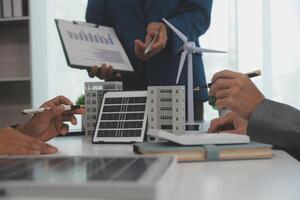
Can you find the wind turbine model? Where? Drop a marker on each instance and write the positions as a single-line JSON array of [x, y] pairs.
[[189, 48]]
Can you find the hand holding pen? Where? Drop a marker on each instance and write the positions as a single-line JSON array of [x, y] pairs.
[[249, 74], [155, 41], [236, 92], [51, 118], [33, 111]]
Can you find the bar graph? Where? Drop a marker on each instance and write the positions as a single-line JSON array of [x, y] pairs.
[[87, 45], [106, 39]]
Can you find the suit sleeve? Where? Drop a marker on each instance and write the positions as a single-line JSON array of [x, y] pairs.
[[192, 19], [278, 124], [96, 12]]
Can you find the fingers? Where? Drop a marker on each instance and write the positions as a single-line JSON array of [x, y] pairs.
[[139, 49], [216, 124], [61, 100], [70, 118], [150, 35], [19, 144], [78, 111], [160, 43], [221, 84], [64, 129], [30, 149], [104, 72], [226, 74], [57, 101], [92, 72], [225, 103]]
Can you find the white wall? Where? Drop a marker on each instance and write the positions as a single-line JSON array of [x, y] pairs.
[[51, 75]]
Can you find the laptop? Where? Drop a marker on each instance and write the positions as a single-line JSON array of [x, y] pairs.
[[87, 177]]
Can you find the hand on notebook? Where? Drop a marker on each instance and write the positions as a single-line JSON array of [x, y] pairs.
[[13, 142], [158, 33], [236, 92], [104, 73], [228, 123], [49, 124]]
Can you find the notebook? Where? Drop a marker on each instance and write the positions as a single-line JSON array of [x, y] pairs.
[[252, 150], [86, 177]]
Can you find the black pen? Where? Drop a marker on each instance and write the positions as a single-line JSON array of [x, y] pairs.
[[249, 74]]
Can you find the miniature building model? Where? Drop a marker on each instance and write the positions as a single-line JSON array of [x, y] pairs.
[[166, 109], [94, 92]]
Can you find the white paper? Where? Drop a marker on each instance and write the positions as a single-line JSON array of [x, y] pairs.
[[87, 45]]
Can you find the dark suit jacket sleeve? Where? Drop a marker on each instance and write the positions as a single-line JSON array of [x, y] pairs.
[[96, 12], [193, 19], [278, 124]]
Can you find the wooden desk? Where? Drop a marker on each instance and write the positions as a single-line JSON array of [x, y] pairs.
[[277, 178]]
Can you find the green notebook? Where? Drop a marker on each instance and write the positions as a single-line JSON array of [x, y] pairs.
[[252, 150]]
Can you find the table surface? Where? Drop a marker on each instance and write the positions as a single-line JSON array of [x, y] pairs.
[[276, 178]]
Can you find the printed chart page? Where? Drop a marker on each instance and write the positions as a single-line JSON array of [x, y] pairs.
[[87, 45]]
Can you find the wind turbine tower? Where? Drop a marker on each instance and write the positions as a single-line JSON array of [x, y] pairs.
[[189, 48]]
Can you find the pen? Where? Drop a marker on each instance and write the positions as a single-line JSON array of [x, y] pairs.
[[249, 74], [40, 110], [151, 43]]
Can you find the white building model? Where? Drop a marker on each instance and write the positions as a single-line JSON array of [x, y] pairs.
[[166, 109], [94, 92]]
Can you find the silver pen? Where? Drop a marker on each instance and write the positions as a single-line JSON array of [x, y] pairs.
[[152, 42]]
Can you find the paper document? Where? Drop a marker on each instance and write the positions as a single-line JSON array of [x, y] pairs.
[[86, 45]]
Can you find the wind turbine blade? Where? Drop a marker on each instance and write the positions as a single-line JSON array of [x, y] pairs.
[[182, 59], [176, 31], [201, 50]]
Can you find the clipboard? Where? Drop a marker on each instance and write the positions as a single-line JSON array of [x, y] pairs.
[[86, 45]]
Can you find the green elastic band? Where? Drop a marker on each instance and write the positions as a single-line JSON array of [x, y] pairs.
[[212, 152]]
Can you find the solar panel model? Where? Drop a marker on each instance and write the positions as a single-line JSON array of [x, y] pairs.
[[122, 118], [87, 177]]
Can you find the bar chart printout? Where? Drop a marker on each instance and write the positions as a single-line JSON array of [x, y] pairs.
[[91, 37], [87, 45]]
